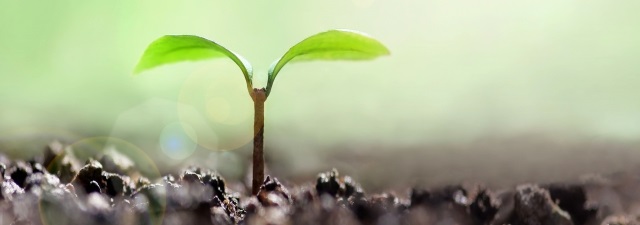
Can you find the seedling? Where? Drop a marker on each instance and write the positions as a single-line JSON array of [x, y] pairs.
[[329, 45]]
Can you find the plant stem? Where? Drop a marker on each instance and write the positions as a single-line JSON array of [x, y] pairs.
[[259, 97]]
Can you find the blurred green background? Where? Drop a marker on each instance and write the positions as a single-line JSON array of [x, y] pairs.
[[542, 74]]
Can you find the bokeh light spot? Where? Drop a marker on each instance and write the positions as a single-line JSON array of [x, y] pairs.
[[178, 140], [218, 109]]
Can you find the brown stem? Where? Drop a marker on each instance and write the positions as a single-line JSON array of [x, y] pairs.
[[259, 97]]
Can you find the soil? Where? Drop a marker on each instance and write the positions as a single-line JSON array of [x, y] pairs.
[[54, 188]]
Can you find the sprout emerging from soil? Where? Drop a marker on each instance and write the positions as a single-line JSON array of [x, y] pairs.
[[329, 45]]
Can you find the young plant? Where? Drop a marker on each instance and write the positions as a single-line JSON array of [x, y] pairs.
[[329, 45]]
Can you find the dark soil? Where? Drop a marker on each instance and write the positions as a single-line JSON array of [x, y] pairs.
[[55, 189]]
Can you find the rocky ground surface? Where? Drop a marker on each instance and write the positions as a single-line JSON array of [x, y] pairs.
[[55, 188]]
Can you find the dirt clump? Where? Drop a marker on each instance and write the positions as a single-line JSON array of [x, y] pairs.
[[533, 206]]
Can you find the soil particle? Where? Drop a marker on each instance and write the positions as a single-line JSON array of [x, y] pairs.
[[203, 191], [216, 182], [36, 167], [533, 206], [191, 177], [90, 177], [387, 202], [142, 181], [41, 181], [350, 188], [169, 178], [203, 177], [327, 183], [93, 187], [450, 194], [117, 185], [368, 211], [331, 184], [273, 193], [447, 205], [19, 172], [484, 207], [573, 200], [10, 189]]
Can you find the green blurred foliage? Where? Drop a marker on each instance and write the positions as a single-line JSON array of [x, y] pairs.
[[460, 70]]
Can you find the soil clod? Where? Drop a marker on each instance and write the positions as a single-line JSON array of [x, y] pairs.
[[484, 207], [331, 184], [117, 185], [19, 172], [90, 177], [573, 200], [273, 193], [533, 206], [327, 183]]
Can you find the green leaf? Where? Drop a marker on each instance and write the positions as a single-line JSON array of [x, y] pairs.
[[179, 48], [329, 45]]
